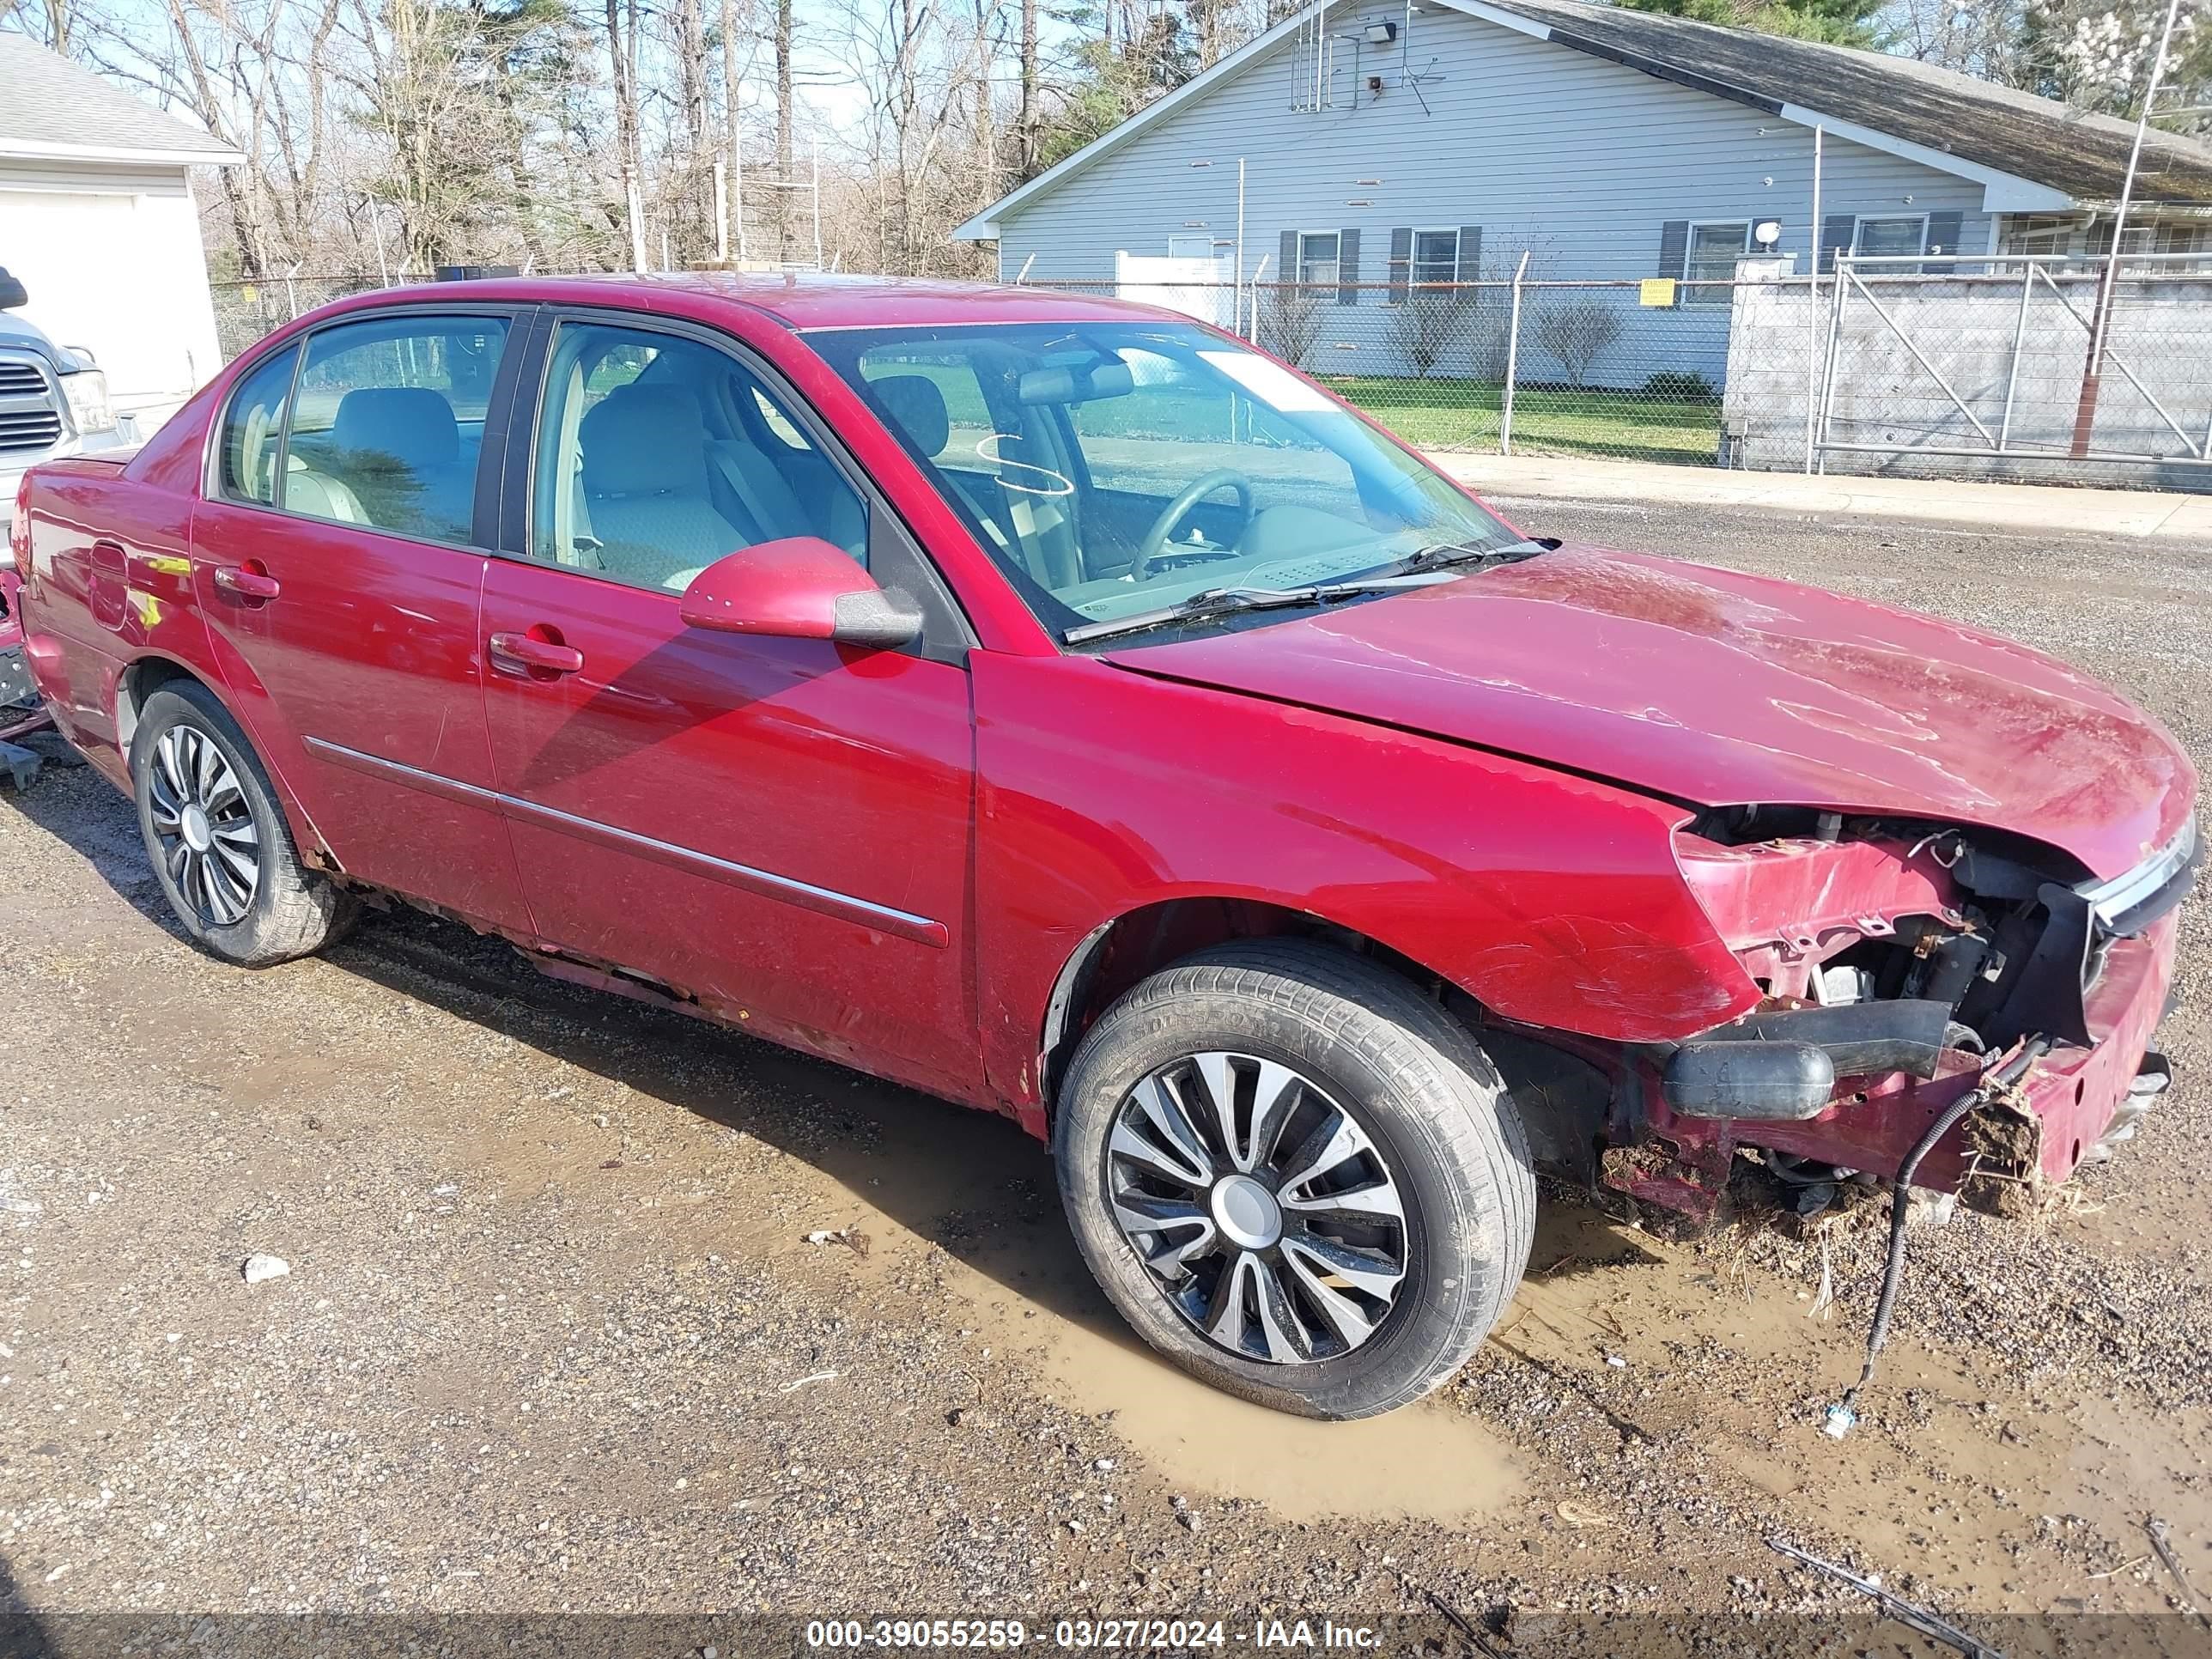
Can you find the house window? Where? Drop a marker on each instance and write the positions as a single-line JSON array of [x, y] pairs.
[[2136, 238], [1435, 256], [1890, 235], [1713, 252], [2183, 239], [1318, 256], [2035, 235], [1197, 246], [2152, 239]]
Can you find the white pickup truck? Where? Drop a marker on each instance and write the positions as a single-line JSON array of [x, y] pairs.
[[53, 402]]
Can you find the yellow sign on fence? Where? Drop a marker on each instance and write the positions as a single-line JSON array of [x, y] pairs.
[[1656, 291]]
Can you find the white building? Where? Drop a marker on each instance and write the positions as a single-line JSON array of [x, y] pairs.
[[97, 220]]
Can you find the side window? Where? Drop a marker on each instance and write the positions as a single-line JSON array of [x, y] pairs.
[[388, 424], [657, 454], [253, 430]]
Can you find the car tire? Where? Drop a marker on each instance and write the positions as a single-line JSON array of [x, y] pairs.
[[221, 849], [1431, 1132]]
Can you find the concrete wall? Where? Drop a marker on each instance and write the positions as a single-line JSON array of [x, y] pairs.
[[1578, 161], [1970, 332]]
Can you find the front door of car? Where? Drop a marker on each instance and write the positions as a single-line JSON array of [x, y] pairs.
[[338, 558], [777, 827]]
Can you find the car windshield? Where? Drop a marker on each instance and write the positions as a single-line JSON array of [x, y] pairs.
[[1116, 469]]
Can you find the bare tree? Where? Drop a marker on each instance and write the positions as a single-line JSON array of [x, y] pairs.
[[1430, 324], [384, 136], [1289, 320], [732, 123], [622, 59], [1025, 127], [1579, 332], [783, 129], [694, 181]]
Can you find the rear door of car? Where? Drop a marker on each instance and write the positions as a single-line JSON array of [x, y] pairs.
[[339, 559], [778, 827]]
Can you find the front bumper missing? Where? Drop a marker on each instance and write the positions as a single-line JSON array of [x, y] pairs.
[[2033, 1136]]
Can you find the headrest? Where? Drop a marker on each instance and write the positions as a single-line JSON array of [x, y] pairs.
[[644, 441], [917, 408], [410, 425]]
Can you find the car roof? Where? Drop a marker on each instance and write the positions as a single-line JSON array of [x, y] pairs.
[[797, 300]]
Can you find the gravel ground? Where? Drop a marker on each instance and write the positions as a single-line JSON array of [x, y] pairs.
[[553, 1341]]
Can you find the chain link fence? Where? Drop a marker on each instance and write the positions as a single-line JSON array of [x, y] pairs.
[[2043, 370], [1541, 368], [2031, 369], [246, 311]]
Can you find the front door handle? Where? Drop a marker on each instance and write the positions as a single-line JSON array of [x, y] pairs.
[[527, 653], [248, 581]]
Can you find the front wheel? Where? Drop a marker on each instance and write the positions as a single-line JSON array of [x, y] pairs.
[[1296, 1176]]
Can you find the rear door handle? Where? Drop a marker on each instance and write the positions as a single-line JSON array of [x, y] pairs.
[[526, 653], [246, 581]]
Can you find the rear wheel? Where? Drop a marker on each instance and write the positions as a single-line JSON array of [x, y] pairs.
[[1296, 1176], [221, 850]]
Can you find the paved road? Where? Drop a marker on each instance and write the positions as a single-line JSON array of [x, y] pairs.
[[554, 1341]]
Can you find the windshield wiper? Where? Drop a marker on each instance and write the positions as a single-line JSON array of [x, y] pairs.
[[1444, 554], [1224, 601]]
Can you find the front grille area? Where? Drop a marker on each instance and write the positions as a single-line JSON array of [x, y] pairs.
[[30, 410], [29, 428]]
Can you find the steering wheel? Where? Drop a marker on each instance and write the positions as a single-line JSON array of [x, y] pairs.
[[1155, 545]]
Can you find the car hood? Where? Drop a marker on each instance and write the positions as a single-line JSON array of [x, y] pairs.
[[19, 335], [1721, 688]]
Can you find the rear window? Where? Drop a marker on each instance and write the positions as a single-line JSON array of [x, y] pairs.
[[253, 430]]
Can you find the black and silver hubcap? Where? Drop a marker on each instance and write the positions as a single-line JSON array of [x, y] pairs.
[[209, 845], [1261, 1208]]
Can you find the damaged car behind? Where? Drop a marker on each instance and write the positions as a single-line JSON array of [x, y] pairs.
[[1061, 707]]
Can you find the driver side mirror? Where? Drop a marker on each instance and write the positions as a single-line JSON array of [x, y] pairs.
[[798, 588], [11, 293]]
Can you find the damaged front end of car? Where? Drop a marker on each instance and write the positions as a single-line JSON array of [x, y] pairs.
[[1904, 967]]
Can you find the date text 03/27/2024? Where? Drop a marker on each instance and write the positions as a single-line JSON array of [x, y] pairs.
[[1140, 1635]]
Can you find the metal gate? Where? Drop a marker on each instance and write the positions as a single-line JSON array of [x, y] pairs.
[[2037, 366]]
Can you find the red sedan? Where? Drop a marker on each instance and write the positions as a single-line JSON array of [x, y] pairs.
[[1060, 706]]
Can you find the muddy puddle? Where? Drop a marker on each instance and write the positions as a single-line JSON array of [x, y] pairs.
[[1426, 1462], [928, 1174]]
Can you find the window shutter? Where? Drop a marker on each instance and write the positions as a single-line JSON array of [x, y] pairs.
[[1347, 267], [1835, 233], [1286, 259], [1675, 251], [1402, 262], [1943, 229], [1470, 253]]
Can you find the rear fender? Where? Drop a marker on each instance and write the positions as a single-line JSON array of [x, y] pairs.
[[126, 690]]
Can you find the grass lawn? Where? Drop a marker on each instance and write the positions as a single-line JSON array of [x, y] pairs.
[[1453, 414], [1442, 413]]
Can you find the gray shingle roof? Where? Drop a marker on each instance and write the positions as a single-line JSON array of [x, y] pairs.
[[2014, 133], [50, 107]]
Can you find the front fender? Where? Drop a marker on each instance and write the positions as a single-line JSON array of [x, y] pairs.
[[1553, 900]]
